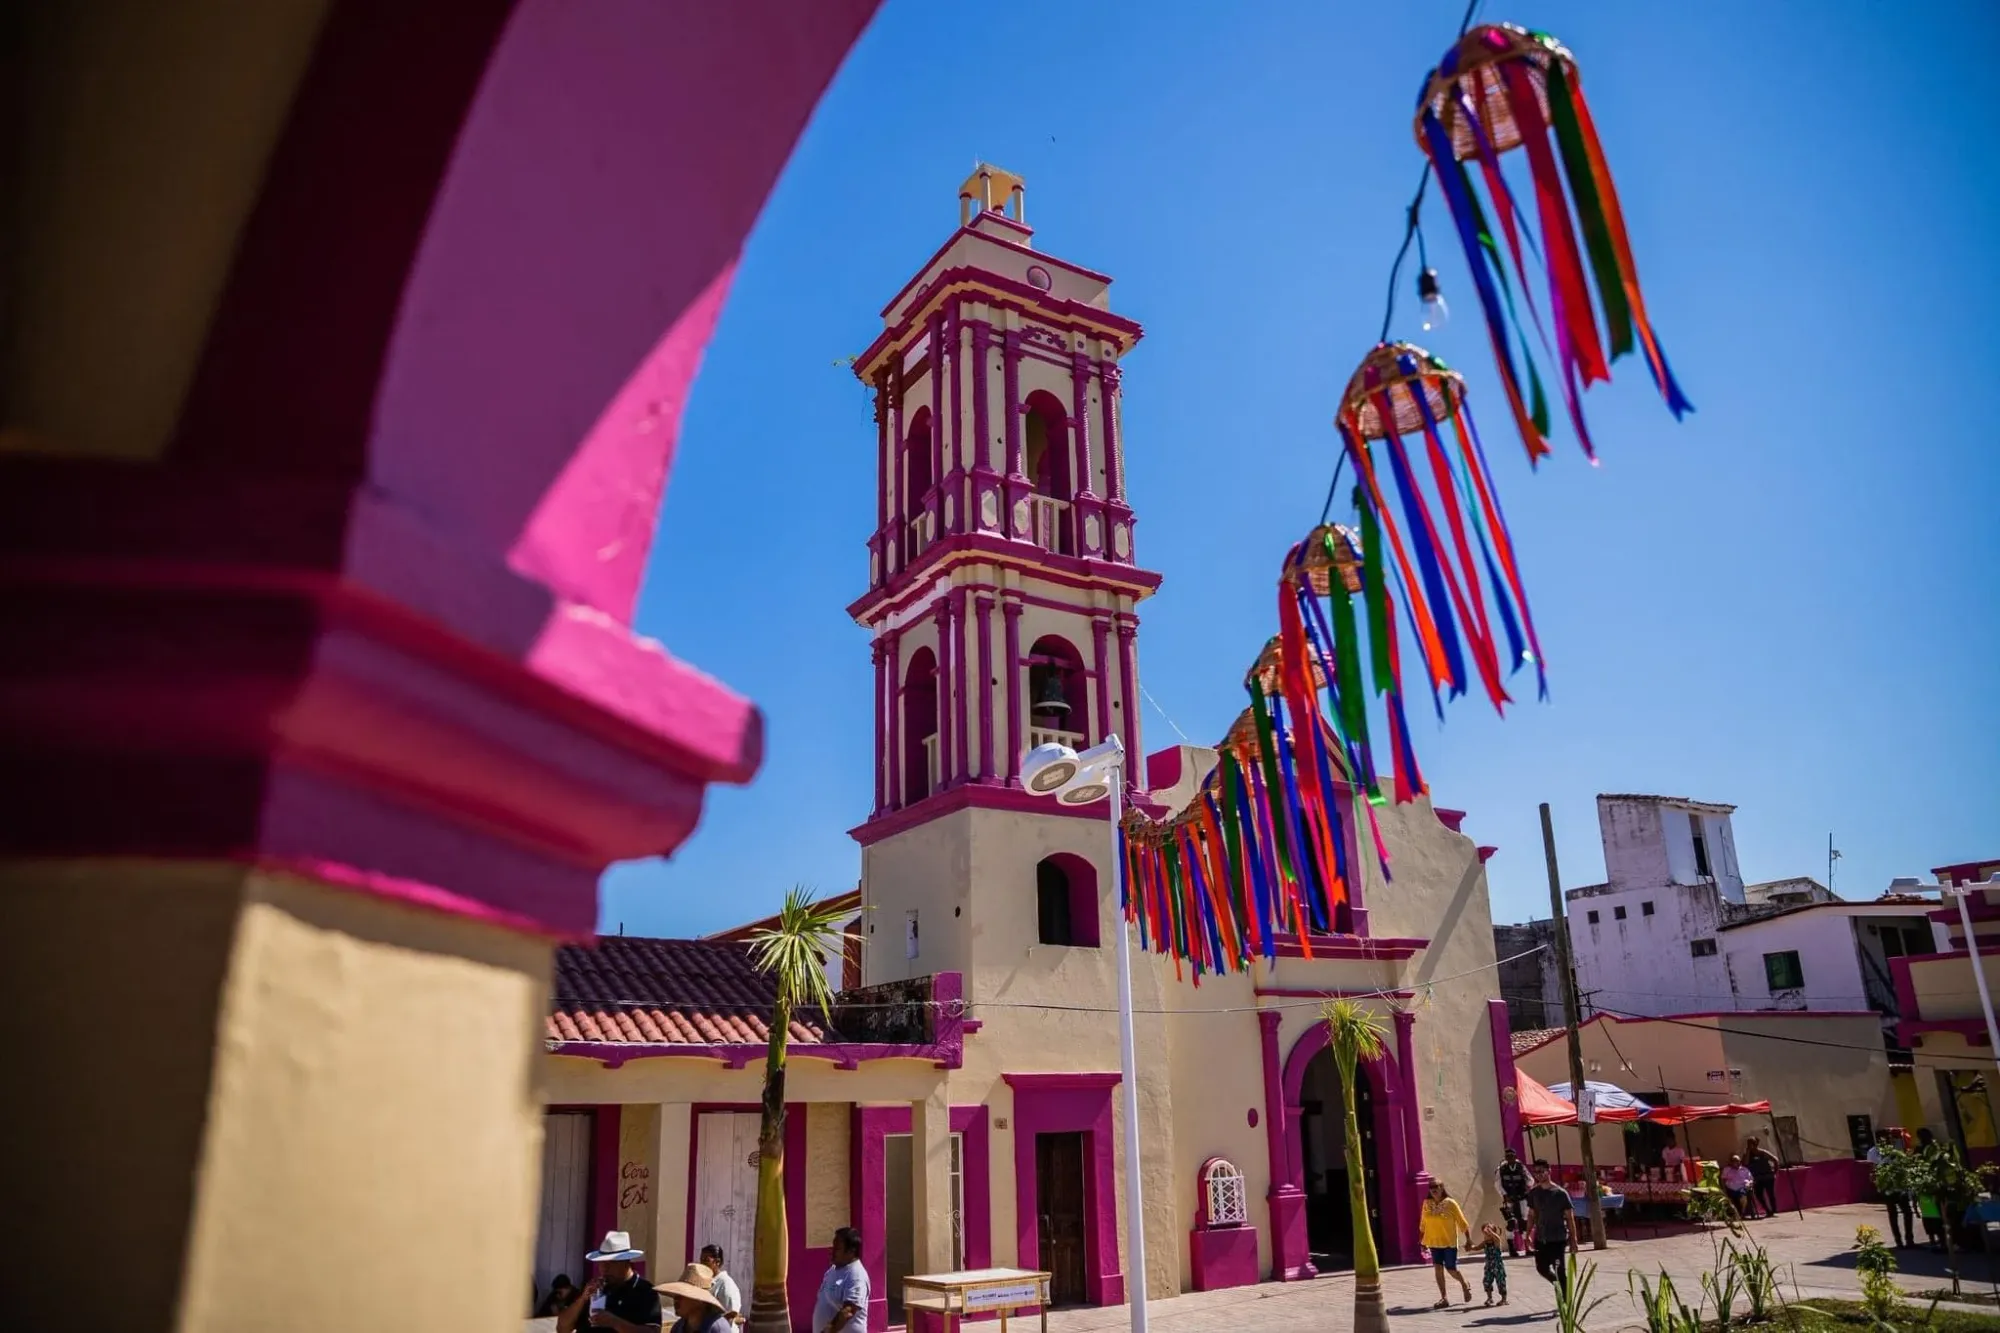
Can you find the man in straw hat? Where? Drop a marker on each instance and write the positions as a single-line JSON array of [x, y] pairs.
[[617, 1298], [695, 1303]]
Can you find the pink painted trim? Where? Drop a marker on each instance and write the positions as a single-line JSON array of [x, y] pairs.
[[1910, 1032], [1906, 990], [1100, 641], [1061, 1104], [1395, 1178], [1040, 258], [1502, 1032], [1308, 993], [982, 416], [969, 796], [1114, 465], [1350, 947], [1290, 1257], [1013, 611], [956, 325], [868, 1191], [1080, 572], [1413, 1112], [604, 1121], [1451, 819], [946, 707], [1486, 854], [984, 603], [1128, 690], [411, 893]]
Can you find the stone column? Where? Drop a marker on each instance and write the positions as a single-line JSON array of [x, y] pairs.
[[953, 476], [895, 541], [1087, 508], [1010, 407], [894, 723], [946, 651], [984, 603], [1011, 609], [930, 1180], [986, 496], [1290, 1253], [880, 655], [1100, 637], [1128, 685], [1413, 1111], [960, 756], [940, 403]]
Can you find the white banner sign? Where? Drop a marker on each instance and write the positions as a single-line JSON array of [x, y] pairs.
[[1005, 1297]]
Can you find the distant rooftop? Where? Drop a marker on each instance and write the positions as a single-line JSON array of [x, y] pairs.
[[1707, 807]]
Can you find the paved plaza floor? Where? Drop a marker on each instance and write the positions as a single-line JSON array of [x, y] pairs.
[[1815, 1254]]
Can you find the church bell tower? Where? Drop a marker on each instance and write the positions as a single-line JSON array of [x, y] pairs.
[[1002, 593]]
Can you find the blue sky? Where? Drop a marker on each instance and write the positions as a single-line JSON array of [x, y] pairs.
[[1787, 602]]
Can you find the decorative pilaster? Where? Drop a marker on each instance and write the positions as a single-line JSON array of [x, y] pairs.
[[878, 560], [894, 724], [1100, 635], [1086, 506], [945, 666], [1128, 683], [953, 476], [1119, 544], [896, 539], [1011, 609], [1010, 407], [961, 685], [1291, 1257], [933, 501], [1502, 1031], [880, 655], [984, 604], [985, 483], [1413, 1111]]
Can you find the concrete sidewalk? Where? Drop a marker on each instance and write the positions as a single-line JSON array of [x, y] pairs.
[[1815, 1256]]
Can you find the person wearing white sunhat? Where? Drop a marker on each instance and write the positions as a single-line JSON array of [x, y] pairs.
[[617, 1298], [695, 1303]]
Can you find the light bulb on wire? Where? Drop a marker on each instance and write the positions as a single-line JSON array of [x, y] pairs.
[[1436, 314]]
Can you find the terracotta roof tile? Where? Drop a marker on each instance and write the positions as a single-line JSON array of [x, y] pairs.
[[1533, 1037], [647, 991]]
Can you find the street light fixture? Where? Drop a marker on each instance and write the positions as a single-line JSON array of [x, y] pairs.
[[1098, 774], [1963, 892]]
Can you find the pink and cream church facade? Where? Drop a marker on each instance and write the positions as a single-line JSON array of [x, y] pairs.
[[959, 1105]]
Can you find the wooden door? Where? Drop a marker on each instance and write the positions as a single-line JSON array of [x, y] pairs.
[[725, 1189], [564, 1222], [1060, 1214]]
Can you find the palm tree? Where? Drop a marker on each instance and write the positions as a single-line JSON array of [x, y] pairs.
[[1356, 1035], [793, 953]]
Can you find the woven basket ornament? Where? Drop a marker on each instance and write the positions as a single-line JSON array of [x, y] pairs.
[[1502, 88]]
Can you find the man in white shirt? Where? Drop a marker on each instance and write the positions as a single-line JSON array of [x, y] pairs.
[[843, 1293], [724, 1287]]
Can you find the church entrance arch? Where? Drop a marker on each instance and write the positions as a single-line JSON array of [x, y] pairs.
[[1316, 1162]]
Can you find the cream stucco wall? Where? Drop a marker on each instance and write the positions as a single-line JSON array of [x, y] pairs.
[[1821, 1069], [828, 1148]]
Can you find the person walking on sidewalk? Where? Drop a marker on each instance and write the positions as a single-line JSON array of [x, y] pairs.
[[1494, 1276], [1902, 1209], [1763, 1164], [1442, 1223], [1552, 1218], [1514, 1183]]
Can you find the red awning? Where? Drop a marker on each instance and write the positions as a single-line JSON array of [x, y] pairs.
[[1539, 1106], [1679, 1115]]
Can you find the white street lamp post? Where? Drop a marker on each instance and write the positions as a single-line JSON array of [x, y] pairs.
[[1098, 774], [1963, 892]]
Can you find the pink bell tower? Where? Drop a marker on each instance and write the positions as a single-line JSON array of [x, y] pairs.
[[1003, 585]]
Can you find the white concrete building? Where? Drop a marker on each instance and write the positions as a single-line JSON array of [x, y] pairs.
[[1675, 930]]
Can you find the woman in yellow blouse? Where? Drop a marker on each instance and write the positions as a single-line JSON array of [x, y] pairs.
[[1443, 1222]]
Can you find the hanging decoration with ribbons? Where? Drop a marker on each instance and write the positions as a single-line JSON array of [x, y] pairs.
[[1499, 88], [1259, 854]]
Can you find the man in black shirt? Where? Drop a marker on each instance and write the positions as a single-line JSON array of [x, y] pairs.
[[1514, 1184], [1553, 1226], [617, 1298]]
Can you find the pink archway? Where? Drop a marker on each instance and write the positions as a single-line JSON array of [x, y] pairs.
[[1398, 1147]]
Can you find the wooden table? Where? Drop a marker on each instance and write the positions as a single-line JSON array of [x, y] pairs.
[[1002, 1291]]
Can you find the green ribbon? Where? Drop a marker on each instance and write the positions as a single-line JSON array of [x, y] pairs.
[[1232, 834], [1590, 211], [1349, 690], [1375, 596], [1274, 785]]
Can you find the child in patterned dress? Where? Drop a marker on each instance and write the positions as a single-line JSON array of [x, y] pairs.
[[1495, 1274]]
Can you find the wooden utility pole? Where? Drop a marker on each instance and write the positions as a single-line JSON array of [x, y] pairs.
[[1567, 965]]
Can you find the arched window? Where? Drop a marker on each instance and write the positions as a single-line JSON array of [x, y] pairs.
[[1066, 901], [1046, 462], [920, 727], [1221, 1196], [1058, 693], [917, 481]]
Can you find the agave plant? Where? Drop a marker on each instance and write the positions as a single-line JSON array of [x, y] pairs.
[[793, 954], [1662, 1305], [1574, 1304]]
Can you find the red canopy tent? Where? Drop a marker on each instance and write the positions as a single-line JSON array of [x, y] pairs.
[[1539, 1106], [1680, 1115]]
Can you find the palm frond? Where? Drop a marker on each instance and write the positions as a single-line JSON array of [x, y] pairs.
[[795, 951], [1357, 1032]]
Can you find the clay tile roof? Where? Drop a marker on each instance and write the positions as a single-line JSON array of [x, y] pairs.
[[644, 991], [1533, 1037]]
